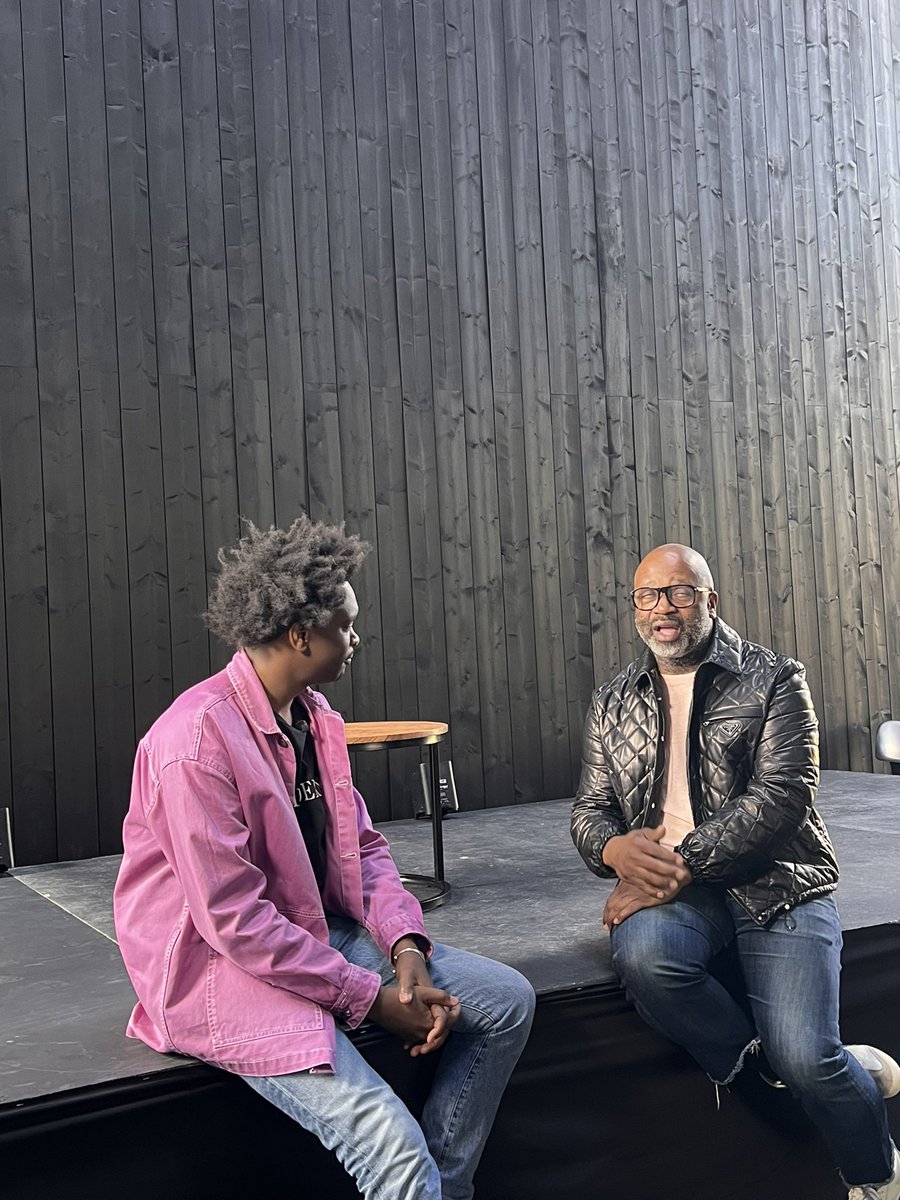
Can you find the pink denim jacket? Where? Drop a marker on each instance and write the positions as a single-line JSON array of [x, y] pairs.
[[218, 914]]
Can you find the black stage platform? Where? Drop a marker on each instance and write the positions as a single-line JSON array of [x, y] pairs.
[[598, 1107]]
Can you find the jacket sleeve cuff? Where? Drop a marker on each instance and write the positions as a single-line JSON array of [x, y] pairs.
[[695, 868], [593, 854], [357, 996]]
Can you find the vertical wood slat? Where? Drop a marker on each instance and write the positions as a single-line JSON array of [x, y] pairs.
[[673, 497], [604, 503], [382, 338], [642, 345], [208, 283], [750, 610], [697, 463], [541, 640], [828, 598], [657, 140], [569, 342], [60, 432], [793, 233], [552, 182], [579, 420], [576, 601], [6, 777], [765, 600], [831, 398], [885, 410], [729, 575], [676, 499], [610, 212], [32, 797], [502, 266], [871, 483], [175, 341], [623, 500], [415, 368], [101, 424], [477, 395], [516, 289], [449, 415], [351, 353], [720, 549], [20, 548], [243, 262], [136, 352], [781, 358], [274, 169], [17, 337], [843, 510], [852, 383], [323, 443], [578, 149]]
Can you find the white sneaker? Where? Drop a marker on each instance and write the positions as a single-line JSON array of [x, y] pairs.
[[883, 1069], [887, 1191]]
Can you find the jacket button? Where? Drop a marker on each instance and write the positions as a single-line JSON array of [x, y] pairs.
[[342, 783]]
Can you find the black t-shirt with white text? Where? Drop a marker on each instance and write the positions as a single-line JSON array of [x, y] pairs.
[[308, 803]]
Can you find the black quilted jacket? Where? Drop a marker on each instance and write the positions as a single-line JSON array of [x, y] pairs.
[[753, 769]]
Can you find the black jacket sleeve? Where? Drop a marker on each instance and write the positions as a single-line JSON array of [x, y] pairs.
[[596, 814], [744, 837]]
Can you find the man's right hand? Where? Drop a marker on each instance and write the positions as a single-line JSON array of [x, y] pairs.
[[637, 857], [422, 1024]]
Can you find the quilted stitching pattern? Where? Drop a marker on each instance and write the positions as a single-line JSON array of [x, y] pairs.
[[753, 768]]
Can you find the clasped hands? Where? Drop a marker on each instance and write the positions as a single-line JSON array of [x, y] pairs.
[[415, 1011], [649, 873]]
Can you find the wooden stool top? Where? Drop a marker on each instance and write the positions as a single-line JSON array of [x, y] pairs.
[[374, 734]]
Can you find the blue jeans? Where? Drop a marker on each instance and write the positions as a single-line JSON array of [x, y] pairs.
[[357, 1115], [791, 970]]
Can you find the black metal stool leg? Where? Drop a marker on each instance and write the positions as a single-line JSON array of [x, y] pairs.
[[432, 890], [437, 828]]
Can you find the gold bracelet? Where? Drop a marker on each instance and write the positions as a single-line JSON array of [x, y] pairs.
[[407, 950]]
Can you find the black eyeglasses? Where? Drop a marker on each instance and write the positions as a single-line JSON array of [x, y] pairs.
[[681, 595]]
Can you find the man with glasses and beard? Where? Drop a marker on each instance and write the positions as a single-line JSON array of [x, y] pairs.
[[700, 768]]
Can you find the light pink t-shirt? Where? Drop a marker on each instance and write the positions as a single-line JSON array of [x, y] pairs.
[[677, 814]]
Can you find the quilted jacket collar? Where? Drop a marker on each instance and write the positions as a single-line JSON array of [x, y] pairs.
[[724, 651]]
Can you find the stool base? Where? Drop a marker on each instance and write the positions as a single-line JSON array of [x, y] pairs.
[[430, 892]]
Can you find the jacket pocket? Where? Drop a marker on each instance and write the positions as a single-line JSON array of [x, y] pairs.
[[734, 712], [242, 1008], [730, 735]]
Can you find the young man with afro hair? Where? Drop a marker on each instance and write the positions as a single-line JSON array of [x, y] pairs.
[[260, 914]]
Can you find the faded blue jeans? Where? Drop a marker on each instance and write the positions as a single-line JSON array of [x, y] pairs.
[[357, 1115], [791, 970]]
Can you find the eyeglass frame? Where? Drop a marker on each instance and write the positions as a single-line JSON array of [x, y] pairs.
[[664, 591]]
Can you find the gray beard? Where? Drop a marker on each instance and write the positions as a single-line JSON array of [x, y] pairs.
[[685, 654], [671, 662]]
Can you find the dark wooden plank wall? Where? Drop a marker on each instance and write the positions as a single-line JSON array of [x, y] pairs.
[[517, 289]]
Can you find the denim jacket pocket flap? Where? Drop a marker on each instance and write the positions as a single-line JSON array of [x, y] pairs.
[[240, 1007]]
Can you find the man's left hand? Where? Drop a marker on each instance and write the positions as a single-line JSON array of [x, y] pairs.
[[413, 978], [410, 968], [626, 899]]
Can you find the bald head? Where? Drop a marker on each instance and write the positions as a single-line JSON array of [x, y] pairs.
[[677, 634], [684, 561]]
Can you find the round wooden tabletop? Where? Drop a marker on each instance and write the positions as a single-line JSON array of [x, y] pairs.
[[372, 735]]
